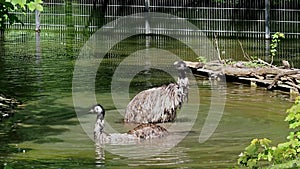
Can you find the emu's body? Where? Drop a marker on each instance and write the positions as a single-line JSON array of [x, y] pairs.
[[143, 131], [159, 104]]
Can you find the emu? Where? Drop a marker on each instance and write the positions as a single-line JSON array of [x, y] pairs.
[[141, 132], [159, 104]]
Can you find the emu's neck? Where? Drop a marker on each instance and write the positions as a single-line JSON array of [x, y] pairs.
[[98, 130], [100, 124], [183, 83], [182, 74], [100, 116]]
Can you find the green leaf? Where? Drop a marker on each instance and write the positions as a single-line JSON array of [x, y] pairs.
[[265, 142], [22, 3], [251, 149], [38, 1], [270, 156], [252, 163], [34, 6], [294, 125], [39, 7], [31, 6]]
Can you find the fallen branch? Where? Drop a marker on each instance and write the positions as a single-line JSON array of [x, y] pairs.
[[266, 63], [293, 85], [277, 77]]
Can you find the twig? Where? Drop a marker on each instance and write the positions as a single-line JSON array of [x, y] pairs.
[[266, 63], [218, 50], [244, 53], [272, 59]]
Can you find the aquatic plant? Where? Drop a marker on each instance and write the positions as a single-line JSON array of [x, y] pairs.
[[260, 152]]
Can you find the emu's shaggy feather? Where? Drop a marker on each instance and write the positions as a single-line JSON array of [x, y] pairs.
[[141, 132], [158, 104]]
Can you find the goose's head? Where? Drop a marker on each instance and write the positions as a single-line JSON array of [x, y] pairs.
[[99, 110]]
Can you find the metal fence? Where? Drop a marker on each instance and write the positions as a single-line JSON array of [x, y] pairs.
[[232, 21], [228, 18]]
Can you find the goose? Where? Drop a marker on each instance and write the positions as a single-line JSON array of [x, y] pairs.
[[141, 132], [159, 104]]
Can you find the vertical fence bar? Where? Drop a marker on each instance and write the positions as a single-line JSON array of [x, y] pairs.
[[147, 25], [37, 20], [68, 13], [267, 19]]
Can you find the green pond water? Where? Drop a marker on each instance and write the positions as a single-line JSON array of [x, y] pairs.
[[46, 132]]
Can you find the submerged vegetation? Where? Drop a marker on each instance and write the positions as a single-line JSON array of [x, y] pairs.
[[260, 152]]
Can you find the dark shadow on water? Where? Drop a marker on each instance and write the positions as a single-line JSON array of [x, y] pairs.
[[35, 123]]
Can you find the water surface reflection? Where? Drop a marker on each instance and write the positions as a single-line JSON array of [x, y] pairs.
[[46, 133]]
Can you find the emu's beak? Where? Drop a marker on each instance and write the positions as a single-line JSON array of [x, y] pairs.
[[92, 111]]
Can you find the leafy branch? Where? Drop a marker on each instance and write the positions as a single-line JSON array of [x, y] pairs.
[[7, 7], [260, 152], [276, 38]]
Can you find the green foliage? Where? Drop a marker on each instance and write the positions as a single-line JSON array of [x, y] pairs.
[[253, 64], [259, 151], [276, 38], [7, 166], [7, 7], [202, 59]]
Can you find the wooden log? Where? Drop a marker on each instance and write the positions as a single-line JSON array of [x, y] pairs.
[[258, 76], [279, 75], [293, 85], [243, 71], [282, 77], [195, 65], [296, 76]]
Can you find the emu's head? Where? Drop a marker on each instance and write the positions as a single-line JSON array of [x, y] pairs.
[[181, 67], [183, 80], [99, 110]]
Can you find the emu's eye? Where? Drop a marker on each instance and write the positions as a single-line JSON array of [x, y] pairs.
[[98, 109]]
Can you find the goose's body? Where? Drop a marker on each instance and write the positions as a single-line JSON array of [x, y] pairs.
[[159, 104], [141, 132]]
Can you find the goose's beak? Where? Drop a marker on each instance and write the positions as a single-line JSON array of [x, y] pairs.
[[92, 111]]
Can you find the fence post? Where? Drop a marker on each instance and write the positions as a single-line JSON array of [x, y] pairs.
[[148, 44], [70, 27], [147, 25], [37, 21], [267, 19], [68, 13]]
